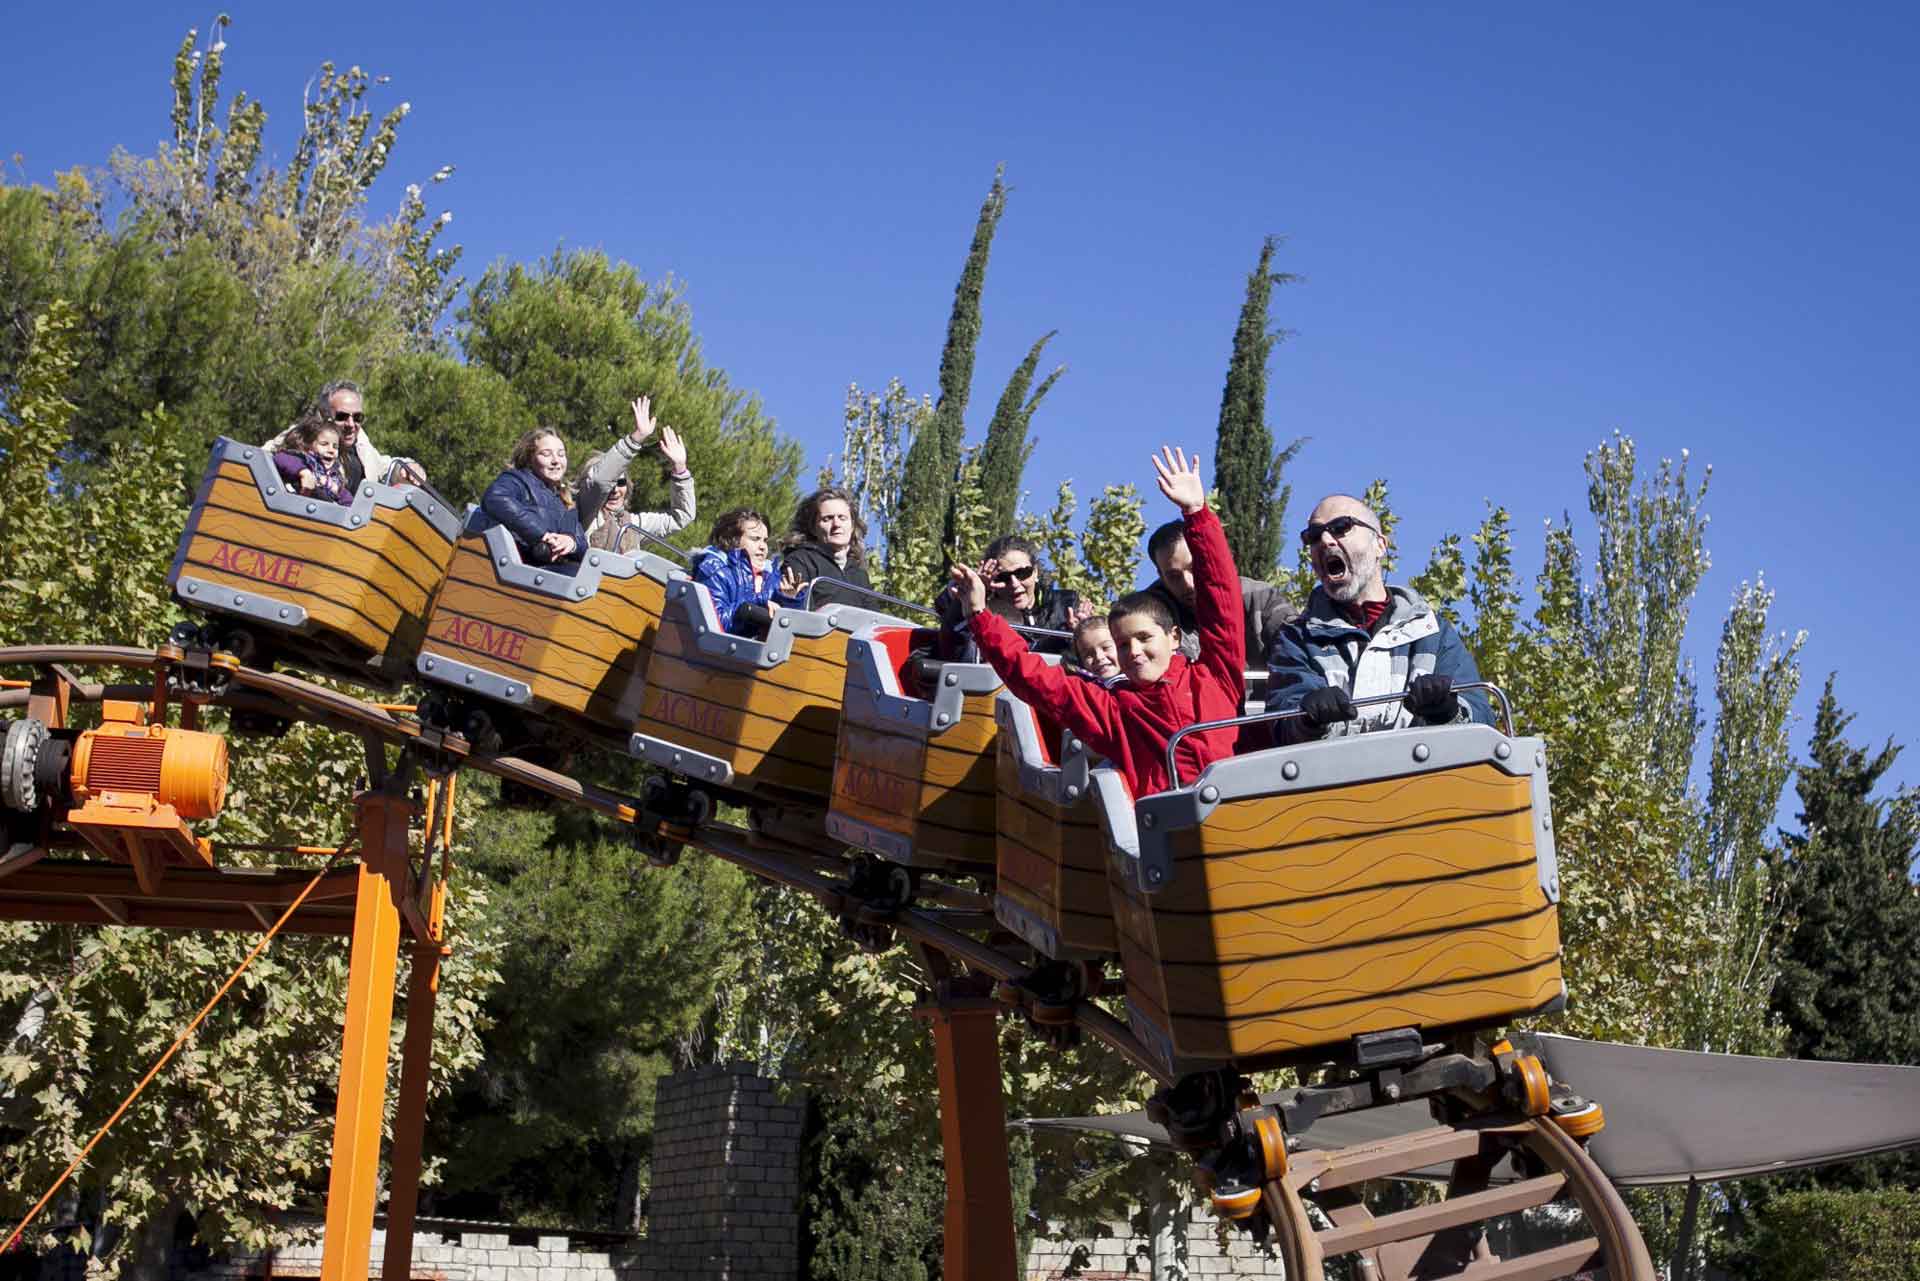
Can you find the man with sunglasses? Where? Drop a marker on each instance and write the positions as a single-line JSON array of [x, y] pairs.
[[1265, 607], [1360, 637], [340, 403]]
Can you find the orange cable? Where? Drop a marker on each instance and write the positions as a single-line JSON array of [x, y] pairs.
[[173, 1049]]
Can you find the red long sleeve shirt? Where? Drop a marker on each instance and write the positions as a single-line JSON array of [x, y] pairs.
[[1130, 725]]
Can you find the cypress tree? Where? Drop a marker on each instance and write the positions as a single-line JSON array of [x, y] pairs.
[[1004, 455], [1247, 470], [933, 460]]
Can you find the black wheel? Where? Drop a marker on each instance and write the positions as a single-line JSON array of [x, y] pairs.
[[19, 756]]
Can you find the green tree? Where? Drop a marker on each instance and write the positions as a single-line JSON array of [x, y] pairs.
[[1248, 472], [1003, 458], [933, 459]]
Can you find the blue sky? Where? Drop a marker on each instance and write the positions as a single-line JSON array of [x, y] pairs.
[[1520, 228]]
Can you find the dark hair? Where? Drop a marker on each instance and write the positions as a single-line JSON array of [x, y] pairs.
[[323, 403], [808, 515], [522, 457], [1150, 604], [727, 530], [1012, 543], [1174, 531], [308, 429]]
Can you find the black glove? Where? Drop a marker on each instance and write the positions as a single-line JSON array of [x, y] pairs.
[[1325, 706], [1431, 699]]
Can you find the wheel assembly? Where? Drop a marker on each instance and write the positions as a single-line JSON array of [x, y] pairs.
[[19, 760]]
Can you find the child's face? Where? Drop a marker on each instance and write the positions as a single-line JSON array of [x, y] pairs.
[[1143, 646], [550, 459], [753, 538], [1096, 652], [326, 445]]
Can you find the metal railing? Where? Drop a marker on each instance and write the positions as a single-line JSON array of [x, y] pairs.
[[1201, 727]]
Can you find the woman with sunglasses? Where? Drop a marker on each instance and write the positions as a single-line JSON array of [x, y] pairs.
[[1015, 593], [615, 528]]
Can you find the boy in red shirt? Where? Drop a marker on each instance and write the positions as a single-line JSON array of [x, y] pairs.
[[1163, 693]]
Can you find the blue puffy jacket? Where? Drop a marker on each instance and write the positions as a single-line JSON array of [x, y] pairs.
[[530, 510], [728, 578]]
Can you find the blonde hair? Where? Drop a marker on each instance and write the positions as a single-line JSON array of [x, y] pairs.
[[522, 457]]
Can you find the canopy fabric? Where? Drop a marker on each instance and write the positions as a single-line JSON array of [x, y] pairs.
[[1672, 1115]]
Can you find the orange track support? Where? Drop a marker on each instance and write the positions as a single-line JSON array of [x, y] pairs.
[[354, 1183], [973, 1130]]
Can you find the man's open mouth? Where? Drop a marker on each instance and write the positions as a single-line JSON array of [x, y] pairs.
[[1333, 565]]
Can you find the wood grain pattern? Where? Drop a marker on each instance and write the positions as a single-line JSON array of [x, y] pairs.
[[1051, 860]]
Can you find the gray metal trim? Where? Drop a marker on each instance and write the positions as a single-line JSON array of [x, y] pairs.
[[891, 846], [1064, 784], [873, 689], [451, 671], [581, 585], [1115, 806], [201, 594], [1543, 848], [273, 492], [689, 606], [1332, 762], [680, 760]]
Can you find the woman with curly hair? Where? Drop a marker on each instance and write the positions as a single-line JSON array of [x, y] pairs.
[[827, 541]]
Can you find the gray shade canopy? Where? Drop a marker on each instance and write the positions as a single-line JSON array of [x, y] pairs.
[[1672, 1115]]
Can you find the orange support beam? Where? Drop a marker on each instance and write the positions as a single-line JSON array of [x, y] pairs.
[[973, 1130], [354, 1182], [410, 1122]]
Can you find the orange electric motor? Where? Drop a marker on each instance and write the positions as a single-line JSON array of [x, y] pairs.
[[183, 768]]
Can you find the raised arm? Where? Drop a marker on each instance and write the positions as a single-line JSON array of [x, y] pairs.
[[1216, 583], [681, 511]]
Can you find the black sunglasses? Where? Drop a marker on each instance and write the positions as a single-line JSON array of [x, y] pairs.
[[1007, 577], [342, 416], [623, 482], [1339, 527]]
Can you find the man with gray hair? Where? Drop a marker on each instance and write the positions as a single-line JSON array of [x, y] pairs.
[[340, 403], [1361, 637]]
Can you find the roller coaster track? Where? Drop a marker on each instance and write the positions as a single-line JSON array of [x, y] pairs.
[[1252, 1167]]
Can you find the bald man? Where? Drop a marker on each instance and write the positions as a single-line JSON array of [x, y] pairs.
[[1360, 637]]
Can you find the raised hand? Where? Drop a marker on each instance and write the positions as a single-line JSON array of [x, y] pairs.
[[643, 423], [971, 585], [674, 448], [1082, 610], [1180, 479], [791, 584]]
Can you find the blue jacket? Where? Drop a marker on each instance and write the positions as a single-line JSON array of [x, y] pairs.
[[530, 510], [1322, 647], [728, 578]]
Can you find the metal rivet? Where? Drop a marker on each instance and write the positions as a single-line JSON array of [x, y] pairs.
[[773, 656], [1502, 750], [1539, 758], [1154, 875], [539, 579], [469, 678], [1421, 752], [833, 620], [1146, 820], [1073, 790], [239, 600], [272, 490], [512, 690], [677, 758], [503, 560], [432, 510], [1075, 745], [1209, 794], [248, 455], [593, 560], [429, 664], [368, 491], [1290, 770], [353, 520], [193, 589], [942, 718], [579, 591], [785, 621], [311, 507], [1546, 823], [733, 647], [953, 678], [906, 711], [285, 612]]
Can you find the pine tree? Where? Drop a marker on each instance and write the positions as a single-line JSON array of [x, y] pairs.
[[1850, 948], [1004, 456], [933, 460], [1247, 470]]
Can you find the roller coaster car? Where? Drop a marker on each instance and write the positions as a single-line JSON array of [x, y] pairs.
[[913, 772], [340, 590], [1050, 868], [757, 715], [1293, 898], [567, 647]]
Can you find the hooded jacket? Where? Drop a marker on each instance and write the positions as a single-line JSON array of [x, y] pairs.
[[1129, 724], [1323, 647], [728, 578]]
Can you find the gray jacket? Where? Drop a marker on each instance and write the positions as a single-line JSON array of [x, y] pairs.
[[590, 495], [1267, 611]]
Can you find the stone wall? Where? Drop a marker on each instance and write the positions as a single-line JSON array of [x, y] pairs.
[[1127, 1254]]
